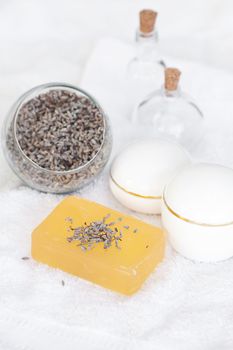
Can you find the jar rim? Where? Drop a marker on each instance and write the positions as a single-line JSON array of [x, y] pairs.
[[132, 193], [56, 86]]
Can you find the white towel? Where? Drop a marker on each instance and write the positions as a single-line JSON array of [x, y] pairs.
[[183, 305]]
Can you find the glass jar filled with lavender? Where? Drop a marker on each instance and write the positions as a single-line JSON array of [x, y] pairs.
[[57, 138]]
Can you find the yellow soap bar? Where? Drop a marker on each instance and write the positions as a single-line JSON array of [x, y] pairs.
[[122, 270]]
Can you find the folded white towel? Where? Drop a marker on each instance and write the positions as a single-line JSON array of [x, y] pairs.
[[183, 305]]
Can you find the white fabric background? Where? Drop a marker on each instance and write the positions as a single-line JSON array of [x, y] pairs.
[[182, 305]]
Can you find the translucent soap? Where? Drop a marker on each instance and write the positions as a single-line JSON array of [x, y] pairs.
[[122, 269]]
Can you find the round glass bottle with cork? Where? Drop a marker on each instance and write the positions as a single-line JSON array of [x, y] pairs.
[[57, 138], [170, 113], [147, 64]]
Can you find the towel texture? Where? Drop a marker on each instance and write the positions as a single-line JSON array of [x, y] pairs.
[[183, 305]]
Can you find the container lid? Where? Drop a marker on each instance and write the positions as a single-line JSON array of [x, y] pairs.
[[145, 167], [203, 194]]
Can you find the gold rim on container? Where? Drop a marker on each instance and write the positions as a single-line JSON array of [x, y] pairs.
[[132, 193], [192, 221]]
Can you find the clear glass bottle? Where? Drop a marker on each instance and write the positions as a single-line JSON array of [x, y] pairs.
[[169, 113], [146, 68]]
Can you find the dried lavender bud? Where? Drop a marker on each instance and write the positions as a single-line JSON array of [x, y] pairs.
[[68, 219], [117, 244], [106, 217], [111, 224], [63, 283], [25, 258]]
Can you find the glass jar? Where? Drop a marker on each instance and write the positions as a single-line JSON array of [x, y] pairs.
[[42, 178]]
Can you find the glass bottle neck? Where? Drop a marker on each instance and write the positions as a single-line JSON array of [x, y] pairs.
[[147, 38], [147, 46], [171, 93]]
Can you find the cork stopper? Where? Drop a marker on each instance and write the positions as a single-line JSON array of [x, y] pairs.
[[172, 77], [147, 20]]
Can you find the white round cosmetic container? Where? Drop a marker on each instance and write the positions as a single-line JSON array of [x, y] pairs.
[[197, 212], [140, 172]]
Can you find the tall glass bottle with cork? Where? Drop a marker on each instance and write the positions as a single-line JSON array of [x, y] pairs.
[[170, 113], [146, 69]]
